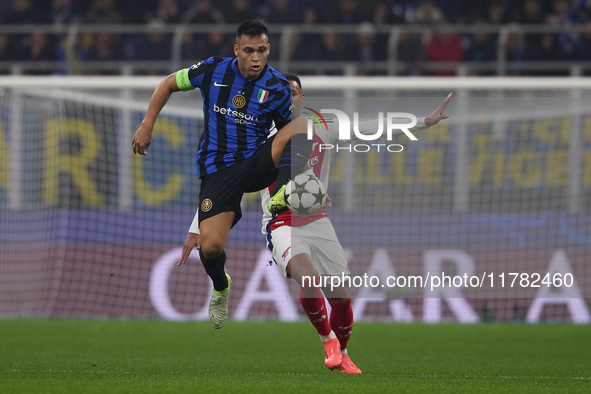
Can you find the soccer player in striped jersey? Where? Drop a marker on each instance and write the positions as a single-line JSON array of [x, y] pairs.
[[307, 246], [242, 98]]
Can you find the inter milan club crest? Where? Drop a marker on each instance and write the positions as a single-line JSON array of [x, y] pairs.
[[263, 95], [206, 205], [239, 101]]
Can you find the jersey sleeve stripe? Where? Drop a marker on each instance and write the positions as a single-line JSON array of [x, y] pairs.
[[284, 112]]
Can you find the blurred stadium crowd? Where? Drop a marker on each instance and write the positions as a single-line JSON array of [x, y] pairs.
[[436, 32]]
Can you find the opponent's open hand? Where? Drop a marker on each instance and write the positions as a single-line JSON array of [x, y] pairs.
[[438, 114], [191, 241]]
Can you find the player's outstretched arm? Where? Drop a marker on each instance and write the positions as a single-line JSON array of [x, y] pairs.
[[439, 114], [143, 136]]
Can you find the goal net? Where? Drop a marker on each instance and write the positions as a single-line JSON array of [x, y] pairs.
[[485, 217]]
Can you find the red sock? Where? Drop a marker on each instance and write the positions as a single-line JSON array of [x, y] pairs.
[[341, 321], [316, 310]]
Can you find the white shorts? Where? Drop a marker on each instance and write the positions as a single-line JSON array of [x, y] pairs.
[[317, 239]]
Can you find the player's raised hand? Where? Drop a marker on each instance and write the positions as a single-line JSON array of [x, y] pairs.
[[141, 140], [438, 114], [191, 241]]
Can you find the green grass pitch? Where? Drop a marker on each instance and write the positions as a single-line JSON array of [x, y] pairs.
[[88, 356]]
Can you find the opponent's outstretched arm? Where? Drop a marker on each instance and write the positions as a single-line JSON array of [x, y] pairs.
[[439, 113], [436, 116]]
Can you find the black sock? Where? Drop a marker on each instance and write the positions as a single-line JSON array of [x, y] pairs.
[[293, 159], [215, 270]]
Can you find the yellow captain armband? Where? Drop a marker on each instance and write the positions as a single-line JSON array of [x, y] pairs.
[[182, 80]]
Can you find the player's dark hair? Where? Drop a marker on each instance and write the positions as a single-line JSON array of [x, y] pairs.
[[293, 77], [252, 28]]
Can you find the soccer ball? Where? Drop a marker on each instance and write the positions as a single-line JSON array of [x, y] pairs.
[[305, 194]]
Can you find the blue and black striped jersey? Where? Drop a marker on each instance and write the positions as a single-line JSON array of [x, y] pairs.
[[238, 113]]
